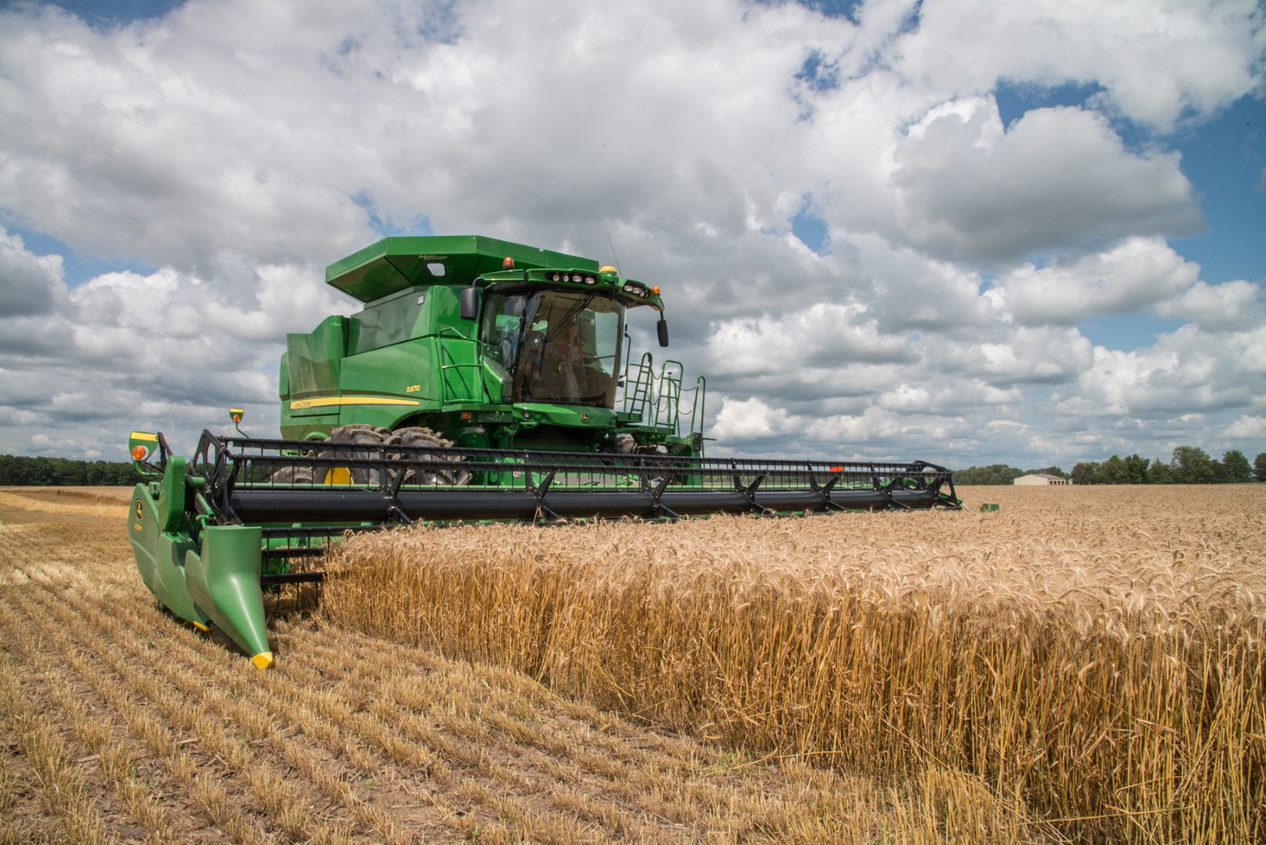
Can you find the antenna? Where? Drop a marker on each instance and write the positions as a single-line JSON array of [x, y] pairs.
[[611, 243]]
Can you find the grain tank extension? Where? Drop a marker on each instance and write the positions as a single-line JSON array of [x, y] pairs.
[[481, 380]]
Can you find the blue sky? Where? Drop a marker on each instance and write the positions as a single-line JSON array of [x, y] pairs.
[[886, 228]]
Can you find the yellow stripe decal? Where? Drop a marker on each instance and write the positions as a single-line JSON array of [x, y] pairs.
[[141, 435], [328, 401]]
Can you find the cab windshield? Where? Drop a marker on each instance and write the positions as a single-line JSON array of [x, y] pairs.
[[555, 347]]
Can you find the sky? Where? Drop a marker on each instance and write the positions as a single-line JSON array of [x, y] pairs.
[[967, 232]]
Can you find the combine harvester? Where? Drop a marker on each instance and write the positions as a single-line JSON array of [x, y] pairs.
[[482, 380]]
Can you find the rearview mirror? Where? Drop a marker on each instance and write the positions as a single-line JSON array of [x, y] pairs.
[[662, 328], [469, 298]]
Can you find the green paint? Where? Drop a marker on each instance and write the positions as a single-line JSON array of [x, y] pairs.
[[223, 580], [409, 358], [160, 555]]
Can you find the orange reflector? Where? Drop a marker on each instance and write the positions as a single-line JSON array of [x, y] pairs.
[[837, 469], [507, 263], [655, 290], [139, 453], [467, 416]]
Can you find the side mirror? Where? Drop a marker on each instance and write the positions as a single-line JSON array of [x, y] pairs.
[[469, 298], [662, 328]]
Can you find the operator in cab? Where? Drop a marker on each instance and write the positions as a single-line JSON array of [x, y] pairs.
[[566, 364], [556, 346]]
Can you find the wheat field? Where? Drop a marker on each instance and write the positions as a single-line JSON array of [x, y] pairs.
[[1085, 665], [119, 725], [1090, 659]]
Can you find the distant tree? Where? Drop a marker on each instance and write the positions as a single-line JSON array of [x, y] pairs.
[[992, 474], [1158, 472], [22, 471], [1259, 467], [1136, 469], [1087, 472], [1113, 471], [1235, 467], [1191, 465]]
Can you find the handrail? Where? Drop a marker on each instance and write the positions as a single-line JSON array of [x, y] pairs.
[[667, 404], [446, 392], [697, 412], [639, 390]]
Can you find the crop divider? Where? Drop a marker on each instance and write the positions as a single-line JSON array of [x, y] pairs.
[[539, 491], [749, 490], [824, 490], [658, 508], [392, 495]]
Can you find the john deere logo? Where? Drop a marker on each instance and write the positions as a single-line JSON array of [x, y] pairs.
[[140, 514]]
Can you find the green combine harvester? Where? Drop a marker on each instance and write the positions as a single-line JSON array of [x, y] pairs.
[[482, 380]]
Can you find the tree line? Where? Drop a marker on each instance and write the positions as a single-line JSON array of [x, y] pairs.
[[1188, 465], [22, 471]]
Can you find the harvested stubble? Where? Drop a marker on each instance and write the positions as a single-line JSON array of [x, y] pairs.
[[1094, 653]]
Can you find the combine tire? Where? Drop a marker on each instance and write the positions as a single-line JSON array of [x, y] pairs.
[[657, 471], [415, 436], [301, 476], [362, 435]]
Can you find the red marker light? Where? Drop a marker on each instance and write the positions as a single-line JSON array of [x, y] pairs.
[[507, 263], [655, 290], [837, 469]]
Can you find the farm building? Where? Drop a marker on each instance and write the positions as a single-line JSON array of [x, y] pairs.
[[1041, 479]]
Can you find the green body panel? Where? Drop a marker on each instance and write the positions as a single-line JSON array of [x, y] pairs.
[[566, 416], [409, 358], [172, 517], [311, 363], [394, 264], [160, 557], [223, 579], [213, 577]]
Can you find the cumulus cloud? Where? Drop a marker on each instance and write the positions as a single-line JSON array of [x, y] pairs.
[[1248, 428], [824, 335], [1022, 355], [162, 350], [1130, 276], [227, 150], [1156, 61], [750, 419], [1057, 177], [1187, 371], [1236, 304], [30, 285]]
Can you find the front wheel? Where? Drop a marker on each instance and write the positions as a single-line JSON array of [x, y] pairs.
[[370, 438], [428, 449]]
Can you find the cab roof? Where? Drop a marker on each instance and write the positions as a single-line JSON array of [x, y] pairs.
[[396, 264]]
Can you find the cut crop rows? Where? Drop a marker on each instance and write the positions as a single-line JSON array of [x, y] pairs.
[[121, 725]]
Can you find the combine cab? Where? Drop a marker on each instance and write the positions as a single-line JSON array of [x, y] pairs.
[[483, 380], [481, 343]]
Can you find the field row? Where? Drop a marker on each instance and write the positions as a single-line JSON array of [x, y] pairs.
[[122, 726]]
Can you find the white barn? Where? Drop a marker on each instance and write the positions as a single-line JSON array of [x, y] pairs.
[[1041, 479]]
